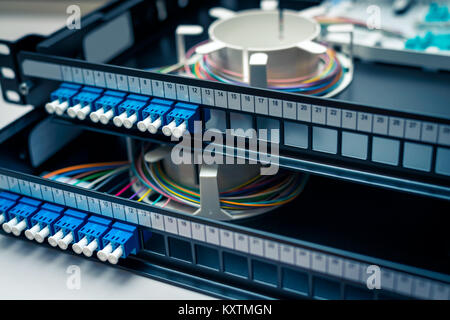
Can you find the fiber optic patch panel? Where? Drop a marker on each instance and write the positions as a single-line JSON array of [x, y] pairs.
[[397, 148], [127, 110], [65, 227], [261, 260], [378, 155]]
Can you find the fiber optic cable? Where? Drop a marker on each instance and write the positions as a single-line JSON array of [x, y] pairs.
[[284, 189], [145, 195], [126, 187], [256, 194], [110, 179], [118, 186], [84, 166], [328, 76], [82, 175], [103, 177]]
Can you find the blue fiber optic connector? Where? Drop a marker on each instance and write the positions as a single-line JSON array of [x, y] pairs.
[[66, 228], [154, 115], [87, 233], [181, 119], [119, 242], [82, 103], [91, 236], [107, 106], [43, 222], [130, 111], [20, 216], [7, 201], [60, 98]]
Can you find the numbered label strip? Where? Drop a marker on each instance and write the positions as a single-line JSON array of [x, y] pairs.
[[335, 266]]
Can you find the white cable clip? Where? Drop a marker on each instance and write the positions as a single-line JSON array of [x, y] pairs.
[[154, 126], [83, 112], [41, 235], [128, 122], [61, 108], [95, 116], [7, 227], [118, 120], [50, 106], [105, 252], [79, 246], [72, 111], [18, 228], [63, 243], [106, 116], [31, 233], [143, 124], [90, 248], [113, 258], [181, 32], [168, 128]]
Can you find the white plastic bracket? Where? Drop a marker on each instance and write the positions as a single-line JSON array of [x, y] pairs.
[[209, 195], [312, 47], [344, 28], [245, 66], [258, 70], [157, 154], [312, 12], [268, 5], [181, 32], [221, 13], [209, 47]]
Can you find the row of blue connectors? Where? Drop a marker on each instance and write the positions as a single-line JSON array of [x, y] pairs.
[[64, 227], [127, 110]]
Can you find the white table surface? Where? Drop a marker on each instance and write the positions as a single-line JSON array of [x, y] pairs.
[[30, 271]]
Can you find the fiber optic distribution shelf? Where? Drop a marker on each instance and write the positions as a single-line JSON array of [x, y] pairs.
[[377, 156]]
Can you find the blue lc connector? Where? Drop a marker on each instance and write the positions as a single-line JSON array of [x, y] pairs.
[[60, 98], [106, 107], [91, 236], [180, 119], [43, 221], [82, 103], [119, 242], [66, 229], [130, 111], [154, 115], [7, 201], [20, 216]]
